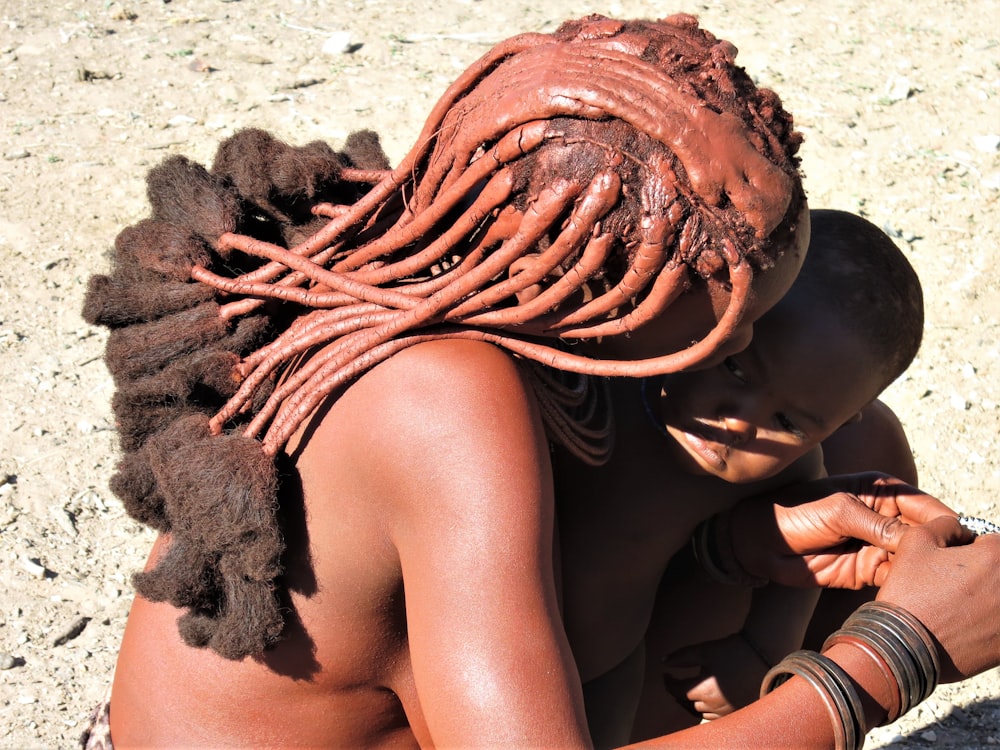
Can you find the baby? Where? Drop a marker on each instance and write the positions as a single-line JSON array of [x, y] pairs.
[[804, 390]]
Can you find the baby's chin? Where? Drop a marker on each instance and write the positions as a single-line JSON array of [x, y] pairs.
[[700, 458]]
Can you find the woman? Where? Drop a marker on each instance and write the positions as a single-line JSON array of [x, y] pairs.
[[358, 451]]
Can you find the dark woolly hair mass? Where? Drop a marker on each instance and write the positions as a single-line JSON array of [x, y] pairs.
[[173, 358], [608, 166]]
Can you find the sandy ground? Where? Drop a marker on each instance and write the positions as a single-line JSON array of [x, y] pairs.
[[899, 101]]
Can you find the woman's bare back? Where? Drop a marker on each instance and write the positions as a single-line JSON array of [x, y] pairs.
[[366, 509]]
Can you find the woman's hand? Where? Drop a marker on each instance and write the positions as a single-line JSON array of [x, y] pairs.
[[836, 532], [953, 591]]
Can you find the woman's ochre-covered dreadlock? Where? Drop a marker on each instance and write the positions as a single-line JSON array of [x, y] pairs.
[[606, 167]]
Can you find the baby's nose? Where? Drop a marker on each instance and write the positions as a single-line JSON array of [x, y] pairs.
[[740, 430]]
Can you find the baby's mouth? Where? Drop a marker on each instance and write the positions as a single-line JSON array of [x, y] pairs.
[[701, 441]]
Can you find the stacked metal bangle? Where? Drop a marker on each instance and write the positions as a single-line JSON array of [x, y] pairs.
[[835, 687], [895, 640], [906, 650]]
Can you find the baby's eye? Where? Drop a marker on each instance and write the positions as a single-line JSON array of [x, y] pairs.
[[734, 367], [788, 425]]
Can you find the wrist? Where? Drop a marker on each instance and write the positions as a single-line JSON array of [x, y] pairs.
[[900, 648], [882, 663], [836, 689], [878, 694], [713, 548]]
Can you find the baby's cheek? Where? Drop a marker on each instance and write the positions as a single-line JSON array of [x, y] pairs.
[[758, 461]]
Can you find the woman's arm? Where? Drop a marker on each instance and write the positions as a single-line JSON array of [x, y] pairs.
[[948, 586], [471, 515]]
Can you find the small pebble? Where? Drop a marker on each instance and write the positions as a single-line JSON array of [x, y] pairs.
[[898, 88], [73, 631], [988, 144], [337, 43], [960, 403], [180, 120], [32, 566], [64, 519], [254, 59], [7, 661]]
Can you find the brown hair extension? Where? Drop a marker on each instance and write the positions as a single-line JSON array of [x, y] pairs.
[[605, 162]]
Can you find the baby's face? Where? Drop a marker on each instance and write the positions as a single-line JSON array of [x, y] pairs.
[[758, 411]]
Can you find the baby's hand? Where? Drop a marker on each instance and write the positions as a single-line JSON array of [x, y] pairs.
[[836, 532], [716, 677]]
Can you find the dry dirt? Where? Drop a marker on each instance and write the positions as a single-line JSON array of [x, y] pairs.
[[899, 101]]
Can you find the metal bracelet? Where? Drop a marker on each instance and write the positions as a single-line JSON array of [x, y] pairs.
[[979, 526], [834, 686], [905, 645]]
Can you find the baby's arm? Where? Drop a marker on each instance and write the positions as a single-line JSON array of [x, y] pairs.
[[877, 442], [735, 634], [732, 667], [777, 622]]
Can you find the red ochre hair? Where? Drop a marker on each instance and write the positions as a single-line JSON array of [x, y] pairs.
[[607, 166]]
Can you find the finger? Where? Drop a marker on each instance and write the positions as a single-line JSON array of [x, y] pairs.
[[869, 567], [705, 708], [916, 507], [893, 497], [882, 573], [858, 521], [943, 531], [678, 692], [679, 681]]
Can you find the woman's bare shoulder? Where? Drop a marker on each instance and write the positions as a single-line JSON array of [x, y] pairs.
[[443, 413], [443, 381]]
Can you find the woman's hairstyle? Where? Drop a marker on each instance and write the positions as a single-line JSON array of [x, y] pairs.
[[605, 168]]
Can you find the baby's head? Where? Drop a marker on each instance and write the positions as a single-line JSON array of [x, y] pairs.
[[849, 326]]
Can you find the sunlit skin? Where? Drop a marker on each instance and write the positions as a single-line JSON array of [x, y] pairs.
[[604, 584], [803, 376], [451, 576], [747, 418], [529, 582], [699, 661]]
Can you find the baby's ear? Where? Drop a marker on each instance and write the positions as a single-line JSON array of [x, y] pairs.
[[854, 419]]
